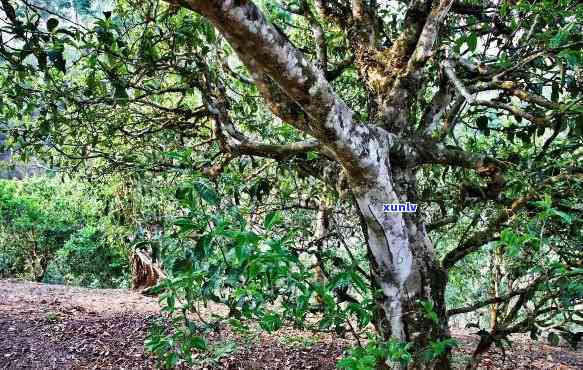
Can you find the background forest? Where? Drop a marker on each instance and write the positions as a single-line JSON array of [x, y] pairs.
[[149, 131]]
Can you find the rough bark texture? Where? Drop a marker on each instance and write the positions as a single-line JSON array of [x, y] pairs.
[[401, 254], [403, 262]]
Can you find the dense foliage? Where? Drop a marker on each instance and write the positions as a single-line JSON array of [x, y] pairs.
[[55, 231], [223, 180]]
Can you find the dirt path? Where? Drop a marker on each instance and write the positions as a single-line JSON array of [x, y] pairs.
[[57, 327]]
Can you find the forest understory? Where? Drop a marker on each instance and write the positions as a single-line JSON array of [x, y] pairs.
[[46, 326]]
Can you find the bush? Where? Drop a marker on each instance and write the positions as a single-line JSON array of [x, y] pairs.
[[88, 260], [54, 231], [33, 228]]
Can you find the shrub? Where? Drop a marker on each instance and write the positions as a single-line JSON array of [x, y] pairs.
[[88, 260]]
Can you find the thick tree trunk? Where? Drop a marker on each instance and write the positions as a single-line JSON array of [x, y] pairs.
[[403, 264], [401, 254]]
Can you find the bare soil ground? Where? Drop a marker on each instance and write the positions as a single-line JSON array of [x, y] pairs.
[[59, 327]]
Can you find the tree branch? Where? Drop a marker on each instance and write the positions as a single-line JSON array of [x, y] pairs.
[[264, 49], [333, 74], [319, 35], [449, 69], [434, 112], [430, 151], [429, 35], [334, 10], [500, 299], [480, 238], [408, 56], [236, 143], [537, 120]]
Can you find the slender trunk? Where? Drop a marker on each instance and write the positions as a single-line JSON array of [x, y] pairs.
[[320, 234], [404, 266], [496, 274], [487, 339], [41, 266]]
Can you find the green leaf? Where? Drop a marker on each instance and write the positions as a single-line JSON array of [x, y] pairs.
[[472, 41], [562, 36], [482, 123], [572, 57], [325, 322], [242, 251], [170, 301], [312, 155], [238, 326], [565, 216], [197, 342], [243, 237], [342, 279], [202, 249], [184, 193], [555, 92], [172, 360], [553, 339], [346, 363], [120, 93], [271, 322], [429, 310], [359, 282], [272, 219], [206, 192], [56, 57], [185, 225], [52, 24]]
